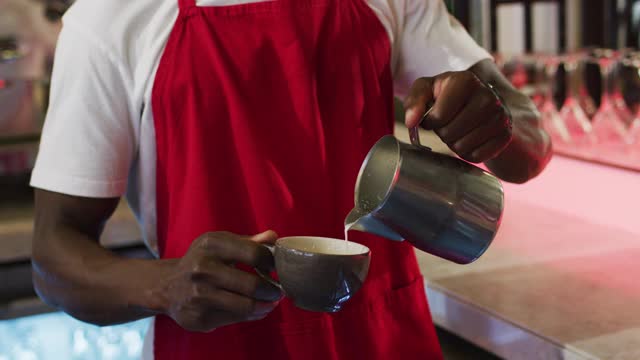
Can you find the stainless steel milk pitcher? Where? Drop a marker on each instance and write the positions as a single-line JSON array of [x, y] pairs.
[[440, 204]]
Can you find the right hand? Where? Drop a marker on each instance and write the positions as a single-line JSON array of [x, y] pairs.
[[206, 291]]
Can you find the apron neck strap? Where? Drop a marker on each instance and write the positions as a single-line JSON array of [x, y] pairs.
[[185, 4]]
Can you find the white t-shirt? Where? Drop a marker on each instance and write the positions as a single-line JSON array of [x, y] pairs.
[[98, 138]]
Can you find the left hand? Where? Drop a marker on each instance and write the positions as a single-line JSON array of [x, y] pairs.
[[467, 115]]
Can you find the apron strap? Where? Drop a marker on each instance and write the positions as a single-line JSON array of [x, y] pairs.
[[185, 4]]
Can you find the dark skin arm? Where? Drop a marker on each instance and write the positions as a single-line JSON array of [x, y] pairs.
[[200, 291], [468, 117]]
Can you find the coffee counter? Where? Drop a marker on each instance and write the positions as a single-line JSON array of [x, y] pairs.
[[560, 281]]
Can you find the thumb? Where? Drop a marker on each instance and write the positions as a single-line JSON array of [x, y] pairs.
[[415, 105], [267, 237]]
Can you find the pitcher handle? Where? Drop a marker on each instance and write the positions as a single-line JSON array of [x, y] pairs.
[[414, 132]]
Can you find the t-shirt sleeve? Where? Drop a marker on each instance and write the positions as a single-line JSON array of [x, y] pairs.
[[89, 140], [430, 42]]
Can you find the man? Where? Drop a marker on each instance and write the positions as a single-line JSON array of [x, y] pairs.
[[226, 118]]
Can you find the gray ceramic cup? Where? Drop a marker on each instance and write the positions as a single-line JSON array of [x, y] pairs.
[[320, 274]]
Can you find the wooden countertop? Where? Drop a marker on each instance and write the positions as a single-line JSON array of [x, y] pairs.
[[560, 280]]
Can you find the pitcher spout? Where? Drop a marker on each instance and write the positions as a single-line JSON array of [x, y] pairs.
[[366, 222]]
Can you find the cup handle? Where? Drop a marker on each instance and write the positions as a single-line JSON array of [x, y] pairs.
[[266, 276], [414, 132]]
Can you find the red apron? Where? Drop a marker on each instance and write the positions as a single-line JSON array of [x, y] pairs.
[[263, 115]]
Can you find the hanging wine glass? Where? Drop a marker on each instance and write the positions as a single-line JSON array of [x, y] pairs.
[[573, 116], [617, 78], [633, 136], [585, 99], [551, 120], [609, 123]]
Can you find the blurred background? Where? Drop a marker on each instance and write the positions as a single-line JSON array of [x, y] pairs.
[[577, 60]]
